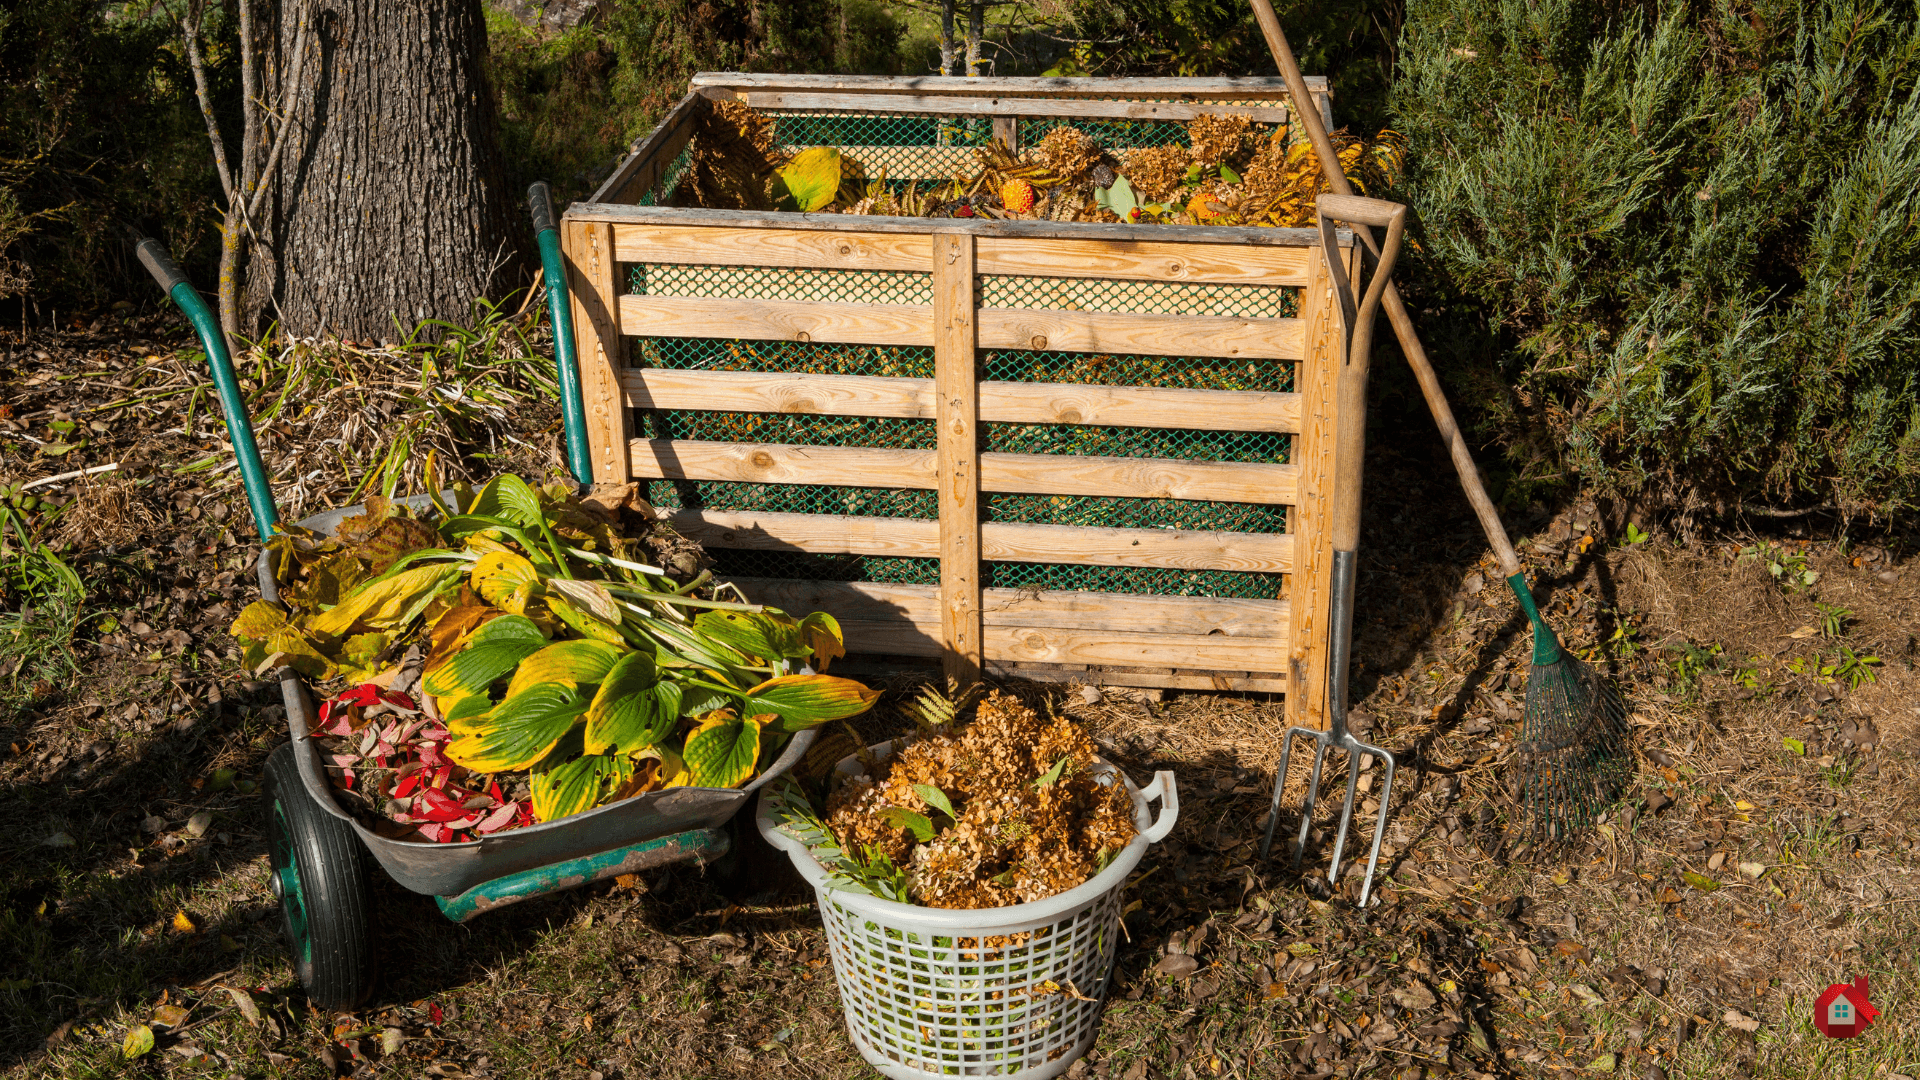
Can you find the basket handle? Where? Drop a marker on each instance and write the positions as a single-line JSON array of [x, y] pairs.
[[1167, 790]]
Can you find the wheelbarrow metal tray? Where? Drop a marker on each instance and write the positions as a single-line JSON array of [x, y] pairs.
[[452, 869]]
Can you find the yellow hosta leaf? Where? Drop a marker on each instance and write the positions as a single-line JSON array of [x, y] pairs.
[[383, 604], [813, 177], [822, 634], [590, 595], [723, 750], [578, 662], [803, 701], [258, 621], [506, 580]]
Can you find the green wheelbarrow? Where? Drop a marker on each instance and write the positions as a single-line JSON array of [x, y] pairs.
[[318, 852]]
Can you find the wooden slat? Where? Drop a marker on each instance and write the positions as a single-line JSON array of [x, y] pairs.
[[887, 609], [1157, 335], [777, 320], [1144, 261], [846, 534], [1000, 402], [1249, 235], [957, 428], [1137, 478], [1138, 406], [756, 463], [1129, 260], [651, 156], [953, 105], [1231, 87], [1217, 682], [588, 248], [778, 392], [810, 248]]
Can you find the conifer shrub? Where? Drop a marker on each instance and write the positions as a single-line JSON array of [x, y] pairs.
[[1688, 235]]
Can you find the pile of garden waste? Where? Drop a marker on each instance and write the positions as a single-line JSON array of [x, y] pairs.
[[507, 660], [1227, 173], [1002, 809]]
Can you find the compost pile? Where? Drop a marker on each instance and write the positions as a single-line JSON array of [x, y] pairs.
[[1004, 810], [508, 660], [1228, 173]]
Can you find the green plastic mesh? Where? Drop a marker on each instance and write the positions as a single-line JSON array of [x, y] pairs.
[[793, 498], [1114, 134], [799, 566], [798, 357], [1113, 369], [799, 429], [676, 170], [781, 283], [1143, 297]]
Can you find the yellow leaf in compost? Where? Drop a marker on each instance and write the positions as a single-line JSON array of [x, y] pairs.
[[579, 662], [383, 604], [813, 177], [258, 621], [506, 580]]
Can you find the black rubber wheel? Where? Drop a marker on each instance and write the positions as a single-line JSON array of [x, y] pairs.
[[319, 872]]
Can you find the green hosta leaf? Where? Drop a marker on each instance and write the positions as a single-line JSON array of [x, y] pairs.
[[935, 798], [1229, 175], [507, 497], [803, 701], [756, 634], [902, 818], [578, 785], [633, 709], [519, 731], [577, 662], [458, 711], [385, 604], [722, 751], [489, 653], [813, 177], [506, 580]]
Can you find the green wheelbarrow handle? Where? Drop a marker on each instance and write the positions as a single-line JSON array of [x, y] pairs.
[[560, 306], [239, 425]]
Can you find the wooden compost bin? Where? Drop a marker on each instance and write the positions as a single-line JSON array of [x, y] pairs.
[[1054, 450]]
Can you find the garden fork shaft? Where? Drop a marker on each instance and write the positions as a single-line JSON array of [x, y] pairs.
[[1356, 323]]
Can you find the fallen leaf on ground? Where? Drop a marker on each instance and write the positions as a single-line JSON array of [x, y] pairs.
[[1753, 869], [61, 839], [1739, 1022], [391, 1040], [1603, 1063], [1178, 965], [1415, 996], [1699, 881], [1586, 993], [170, 1016], [137, 1042], [184, 924], [244, 1002], [198, 824]]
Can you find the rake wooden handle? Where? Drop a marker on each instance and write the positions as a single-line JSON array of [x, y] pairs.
[[1396, 310]]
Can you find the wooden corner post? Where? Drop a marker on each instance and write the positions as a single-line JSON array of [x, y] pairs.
[[957, 418], [591, 281], [1311, 516]]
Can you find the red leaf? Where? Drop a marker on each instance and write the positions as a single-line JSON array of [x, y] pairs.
[[498, 820], [437, 805], [433, 832], [433, 1013], [493, 791], [394, 697], [364, 694], [408, 785]]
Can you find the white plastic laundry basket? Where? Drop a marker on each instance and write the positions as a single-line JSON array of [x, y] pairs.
[[1008, 991]]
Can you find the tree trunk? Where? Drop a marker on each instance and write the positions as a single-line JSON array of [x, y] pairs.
[[947, 51], [389, 204], [976, 31]]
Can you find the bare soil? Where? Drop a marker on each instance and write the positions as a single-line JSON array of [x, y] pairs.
[[1600, 957]]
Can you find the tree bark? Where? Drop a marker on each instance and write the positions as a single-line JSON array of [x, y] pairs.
[[976, 32], [948, 54], [389, 205]]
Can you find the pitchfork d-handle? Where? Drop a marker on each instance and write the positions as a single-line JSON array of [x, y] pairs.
[[239, 425]]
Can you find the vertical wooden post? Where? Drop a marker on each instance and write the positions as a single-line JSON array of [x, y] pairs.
[[1006, 129], [591, 274], [956, 416], [1313, 451]]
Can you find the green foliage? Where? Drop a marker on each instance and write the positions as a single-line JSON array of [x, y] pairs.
[[98, 126], [1688, 226]]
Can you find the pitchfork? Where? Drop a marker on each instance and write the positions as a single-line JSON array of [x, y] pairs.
[[1356, 324]]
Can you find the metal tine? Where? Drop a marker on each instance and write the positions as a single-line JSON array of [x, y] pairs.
[[1321, 738]]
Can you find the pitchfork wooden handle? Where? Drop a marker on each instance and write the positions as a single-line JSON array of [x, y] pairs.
[[1356, 324], [1396, 310]]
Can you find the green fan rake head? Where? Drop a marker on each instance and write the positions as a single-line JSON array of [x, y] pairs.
[[1575, 754]]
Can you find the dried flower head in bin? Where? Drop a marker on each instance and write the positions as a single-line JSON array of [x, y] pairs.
[[1068, 153], [1219, 140], [1004, 810], [1157, 171]]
